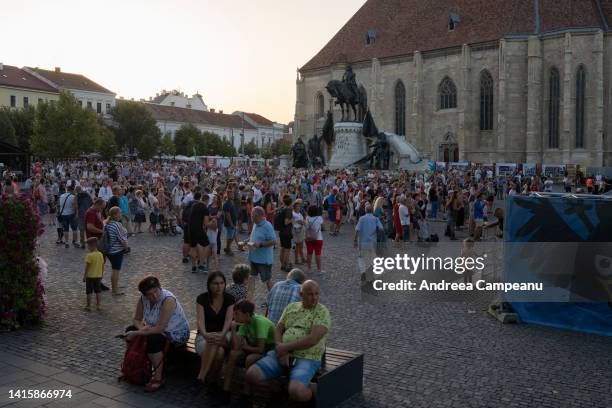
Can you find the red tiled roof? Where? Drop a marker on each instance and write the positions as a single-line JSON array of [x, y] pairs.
[[184, 115], [405, 26], [259, 119], [71, 81], [18, 78]]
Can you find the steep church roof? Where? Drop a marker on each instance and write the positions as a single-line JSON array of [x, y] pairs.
[[389, 28]]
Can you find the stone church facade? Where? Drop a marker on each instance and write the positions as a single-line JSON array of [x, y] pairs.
[[476, 80]]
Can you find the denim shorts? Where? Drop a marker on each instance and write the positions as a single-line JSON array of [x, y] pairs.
[[303, 370], [263, 270], [69, 222], [229, 232]]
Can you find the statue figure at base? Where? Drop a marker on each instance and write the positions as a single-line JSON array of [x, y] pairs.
[[314, 152], [300, 156], [379, 157]]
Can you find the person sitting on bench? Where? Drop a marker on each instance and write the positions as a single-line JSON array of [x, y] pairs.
[[159, 316], [252, 336], [300, 344]]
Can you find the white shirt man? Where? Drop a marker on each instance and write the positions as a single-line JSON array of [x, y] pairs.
[[404, 215], [257, 194], [105, 192], [66, 203]]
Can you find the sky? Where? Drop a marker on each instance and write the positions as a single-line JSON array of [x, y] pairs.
[[238, 54]]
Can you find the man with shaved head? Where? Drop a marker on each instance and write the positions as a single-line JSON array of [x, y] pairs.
[[300, 343]]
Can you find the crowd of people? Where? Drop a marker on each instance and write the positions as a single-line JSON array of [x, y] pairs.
[[105, 205]]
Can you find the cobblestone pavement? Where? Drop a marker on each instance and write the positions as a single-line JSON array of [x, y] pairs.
[[427, 354]]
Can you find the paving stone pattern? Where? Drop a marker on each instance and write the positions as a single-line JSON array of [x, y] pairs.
[[426, 354]]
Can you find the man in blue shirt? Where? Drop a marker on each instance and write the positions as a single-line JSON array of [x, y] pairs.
[[260, 246], [365, 239], [479, 206]]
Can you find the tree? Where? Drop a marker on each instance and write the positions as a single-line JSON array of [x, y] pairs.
[[7, 131], [281, 147], [64, 129], [185, 139], [167, 146], [266, 152], [250, 149], [135, 127], [149, 144], [23, 123], [227, 149], [107, 145]]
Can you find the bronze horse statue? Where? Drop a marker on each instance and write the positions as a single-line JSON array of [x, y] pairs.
[[346, 96]]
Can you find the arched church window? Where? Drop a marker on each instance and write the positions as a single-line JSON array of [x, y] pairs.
[[486, 101], [400, 109], [580, 90], [448, 94], [320, 105], [553, 109]]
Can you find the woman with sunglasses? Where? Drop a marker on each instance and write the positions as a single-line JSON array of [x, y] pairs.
[[160, 317]]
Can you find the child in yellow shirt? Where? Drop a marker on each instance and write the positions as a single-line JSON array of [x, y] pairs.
[[94, 266]]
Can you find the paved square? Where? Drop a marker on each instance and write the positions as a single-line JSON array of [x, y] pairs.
[[429, 354]]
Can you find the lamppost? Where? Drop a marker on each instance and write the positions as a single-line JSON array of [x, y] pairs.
[[242, 135]]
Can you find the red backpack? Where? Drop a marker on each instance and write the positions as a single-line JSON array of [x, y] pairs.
[[136, 366]]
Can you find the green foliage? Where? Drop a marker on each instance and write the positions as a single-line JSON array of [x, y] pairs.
[[189, 139], [107, 145], [63, 129], [185, 139], [23, 123], [7, 131], [250, 149], [266, 152], [149, 144], [281, 147], [136, 128], [21, 298], [167, 146]]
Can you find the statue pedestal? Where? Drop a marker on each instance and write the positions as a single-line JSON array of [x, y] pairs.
[[349, 145]]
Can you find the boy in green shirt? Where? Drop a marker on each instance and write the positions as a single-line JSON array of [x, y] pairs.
[[250, 341]]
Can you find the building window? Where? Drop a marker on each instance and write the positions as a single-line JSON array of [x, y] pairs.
[[553, 110], [108, 108], [400, 109], [13, 101], [453, 20], [580, 90], [40, 100], [89, 105], [99, 107], [320, 105], [370, 37], [81, 102], [486, 101], [26, 101], [448, 94]]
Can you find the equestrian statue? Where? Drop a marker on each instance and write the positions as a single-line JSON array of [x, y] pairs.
[[348, 94]]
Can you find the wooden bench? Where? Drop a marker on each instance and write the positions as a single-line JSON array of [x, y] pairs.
[[340, 376]]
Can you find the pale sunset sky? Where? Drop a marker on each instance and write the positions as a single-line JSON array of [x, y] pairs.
[[240, 54]]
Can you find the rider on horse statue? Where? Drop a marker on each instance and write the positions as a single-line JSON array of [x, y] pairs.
[[349, 80]]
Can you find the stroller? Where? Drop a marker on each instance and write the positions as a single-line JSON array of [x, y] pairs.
[[167, 226], [423, 231]]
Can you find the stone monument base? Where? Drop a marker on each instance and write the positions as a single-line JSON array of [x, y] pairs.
[[349, 146]]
